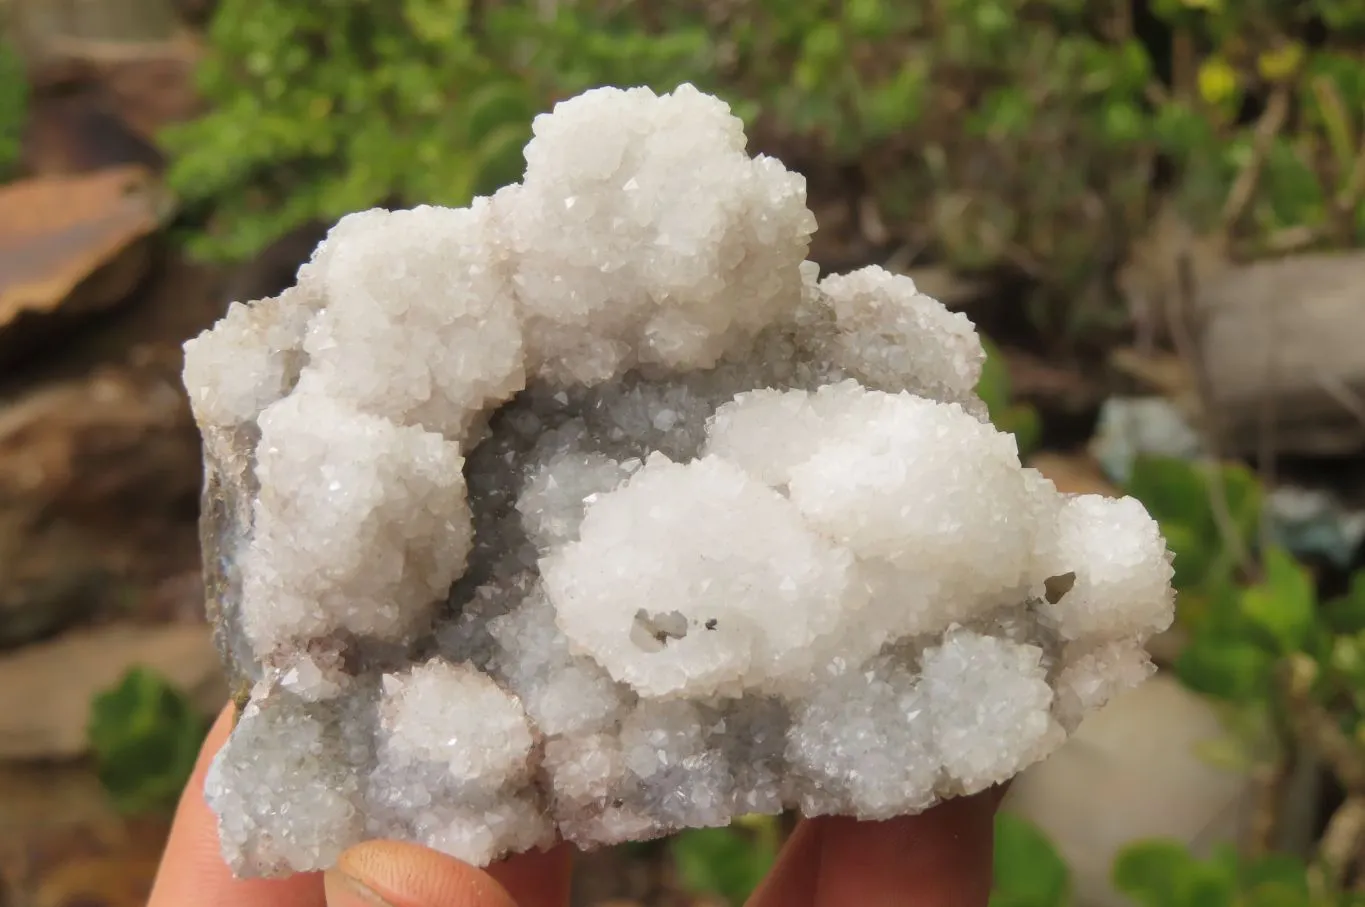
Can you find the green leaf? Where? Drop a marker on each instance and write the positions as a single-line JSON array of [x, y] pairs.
[[1164, 874], [1194, 551], [1178, 494], [1283, 604], [1019, 419], [1152, 872], [1292, 190], [1205, 885], [1025, 424], [821, 51], [1160, 873], [897, 103], [1182, 131], [145, 736], [1347, 613], [497, 104], [1004, 113], [994, 385], [722, 861], [1242, 492], [1277, 874], [1123, 122], [1215, 607], [1225, 668], [1173, 490], [14, 90], [1274, 896], [434, 21], [867, 18], [1028, 871], [500, 160]]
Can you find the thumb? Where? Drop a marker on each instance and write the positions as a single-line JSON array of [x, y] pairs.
[[394, 874]]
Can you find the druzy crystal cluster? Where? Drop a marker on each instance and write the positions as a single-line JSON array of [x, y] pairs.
[[591, 511]]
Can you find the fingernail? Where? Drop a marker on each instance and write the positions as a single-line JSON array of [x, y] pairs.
[[344, 891], [395, 874]]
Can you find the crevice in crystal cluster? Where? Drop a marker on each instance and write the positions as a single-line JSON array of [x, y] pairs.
[[590, 511]]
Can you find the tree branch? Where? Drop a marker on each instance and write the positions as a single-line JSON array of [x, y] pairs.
[[1267, 128]]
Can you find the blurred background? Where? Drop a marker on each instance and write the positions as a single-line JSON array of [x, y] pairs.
[[1152, 207]]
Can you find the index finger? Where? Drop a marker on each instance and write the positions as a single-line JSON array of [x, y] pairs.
[[940, 858]]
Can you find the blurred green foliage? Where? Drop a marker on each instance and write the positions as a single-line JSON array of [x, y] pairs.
[[1179, 494], [726, 862], [1028, 871], [13, 107], [1153, 873], [1164, 874], [327, 108], [1032, 134], [1263, 642], [1235, 645], [1248, 608], [145, 736], [1312, 171]]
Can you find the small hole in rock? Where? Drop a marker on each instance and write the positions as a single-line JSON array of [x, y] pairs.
[[1057, 586], [652, 632]]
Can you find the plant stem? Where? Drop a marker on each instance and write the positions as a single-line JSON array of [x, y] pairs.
[[1185, 324], [1340, 848], [1271, 781], [1313, 723]]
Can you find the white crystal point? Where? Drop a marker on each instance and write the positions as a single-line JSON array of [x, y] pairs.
[[590, 511], [643, 232]]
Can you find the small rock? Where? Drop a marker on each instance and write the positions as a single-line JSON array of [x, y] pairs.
[[71, 246], [78, 132], [1154, 373], [119, 880], [1132, 427], [62, 844], [98, 479], [1285, 336], [1315, 523], [46, 689], [1278, 337]]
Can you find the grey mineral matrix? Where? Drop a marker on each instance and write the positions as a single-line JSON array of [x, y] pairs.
[[592, 512]]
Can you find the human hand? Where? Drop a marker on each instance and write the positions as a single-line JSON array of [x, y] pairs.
[[939, 859]]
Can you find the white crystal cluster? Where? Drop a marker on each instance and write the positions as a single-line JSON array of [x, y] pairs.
[[590, 511]]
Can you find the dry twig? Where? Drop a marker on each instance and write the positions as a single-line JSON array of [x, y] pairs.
[[1340, 394], [1267, 128], [1186, 326], [1266, 449], [1314, 724], [1342, 842], [1343, 208], [1271, 782]]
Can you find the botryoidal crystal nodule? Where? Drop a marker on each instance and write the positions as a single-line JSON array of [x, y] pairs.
[[590, 511]]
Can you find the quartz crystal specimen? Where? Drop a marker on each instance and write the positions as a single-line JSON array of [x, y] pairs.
[[591, 511]]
